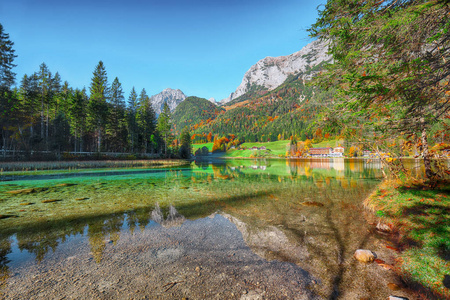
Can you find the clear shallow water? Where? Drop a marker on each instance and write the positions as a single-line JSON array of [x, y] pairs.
[[235, 229]]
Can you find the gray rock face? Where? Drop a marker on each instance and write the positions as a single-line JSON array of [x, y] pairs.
[[271, 72], [171, 96]]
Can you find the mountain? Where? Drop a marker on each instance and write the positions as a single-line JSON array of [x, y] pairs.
[[271, 72], [171, 96], [195, 110], [288, 110]]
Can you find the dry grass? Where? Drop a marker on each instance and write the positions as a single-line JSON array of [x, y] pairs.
[[74, 165]]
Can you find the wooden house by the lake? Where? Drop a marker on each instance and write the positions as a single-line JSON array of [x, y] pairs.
[[325, 151]]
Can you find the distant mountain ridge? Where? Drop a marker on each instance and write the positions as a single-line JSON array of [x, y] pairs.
[[171, 96], [271, 72]]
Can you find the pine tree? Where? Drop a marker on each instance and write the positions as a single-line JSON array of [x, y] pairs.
[[55, 93], [131, 118], [77, 117], [44, 77], [61, 132], [164, 126], [116, 127], [63, 99], [146, 120], [29, 105], [7, 56], [186, 144], [97, 107], [53, 100]]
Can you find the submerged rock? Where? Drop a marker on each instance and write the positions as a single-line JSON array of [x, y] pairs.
[[50, 200], [22, 191], [66, 184], [365, 256], [312, 203], [26, 191], [82, 198], [396, 298], [27, 203], [7, 216]]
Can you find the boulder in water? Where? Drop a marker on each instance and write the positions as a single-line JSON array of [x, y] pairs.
[[365, 256]]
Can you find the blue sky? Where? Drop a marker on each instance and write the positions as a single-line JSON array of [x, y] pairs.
[[202, 47]]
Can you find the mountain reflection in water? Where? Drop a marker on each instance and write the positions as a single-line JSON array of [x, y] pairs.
[[303, 220]]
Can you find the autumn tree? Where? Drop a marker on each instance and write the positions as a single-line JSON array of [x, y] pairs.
[[391, 65]]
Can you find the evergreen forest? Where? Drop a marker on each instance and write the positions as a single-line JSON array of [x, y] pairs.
[[43, 117]]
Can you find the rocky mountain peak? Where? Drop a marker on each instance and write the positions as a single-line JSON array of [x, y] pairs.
[[170, 96], [271, 72]]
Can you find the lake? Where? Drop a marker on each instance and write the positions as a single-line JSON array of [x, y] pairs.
[[232, 229]]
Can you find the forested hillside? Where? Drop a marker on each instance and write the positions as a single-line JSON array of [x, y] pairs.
[[262, 115], [195, 110]]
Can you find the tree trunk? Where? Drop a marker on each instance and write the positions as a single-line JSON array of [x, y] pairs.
[[42, 117], [426, 155], [46, 130], [75, 141], [165, 144], [80, 146], [99, 140]]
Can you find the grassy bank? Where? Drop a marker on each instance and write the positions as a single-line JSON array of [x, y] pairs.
[[422, 217], [274, 149], [195, 147]]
